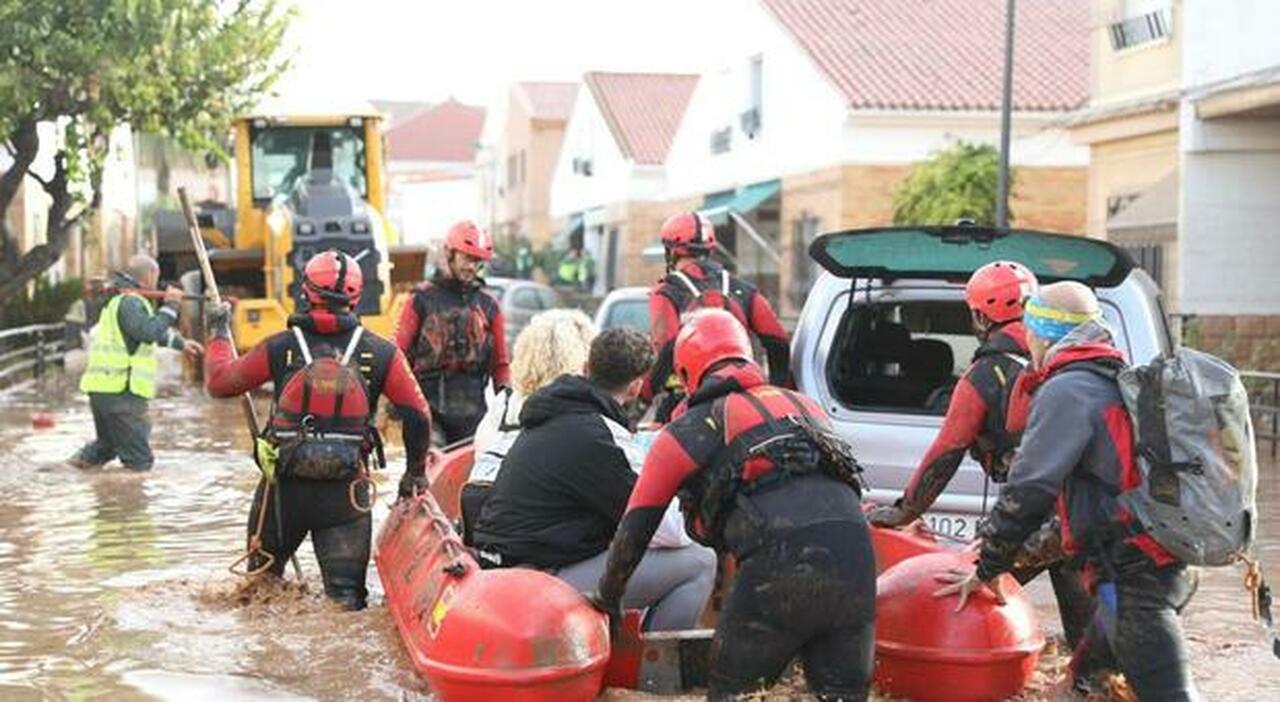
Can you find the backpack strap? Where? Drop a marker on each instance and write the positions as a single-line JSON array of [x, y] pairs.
[[724, 283], [680, 276], [351, 345], [302, 345]]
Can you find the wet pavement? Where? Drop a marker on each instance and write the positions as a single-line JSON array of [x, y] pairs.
[[115, 586]]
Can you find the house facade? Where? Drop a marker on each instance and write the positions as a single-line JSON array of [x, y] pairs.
[[776, 167], [431, 170], [517, 157], [609, 186]]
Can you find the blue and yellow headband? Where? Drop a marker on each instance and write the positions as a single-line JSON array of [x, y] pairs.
[[1050, 323]]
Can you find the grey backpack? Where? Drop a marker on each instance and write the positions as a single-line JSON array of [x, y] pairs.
[[1194, 446]]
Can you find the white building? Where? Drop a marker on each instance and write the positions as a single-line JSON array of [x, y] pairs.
[[610, 181], [815, 112], [1229, 139]]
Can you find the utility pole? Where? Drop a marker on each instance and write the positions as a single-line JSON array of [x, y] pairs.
[[1006, 108]]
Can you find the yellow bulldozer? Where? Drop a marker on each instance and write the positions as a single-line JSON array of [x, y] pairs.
[[304, 182]]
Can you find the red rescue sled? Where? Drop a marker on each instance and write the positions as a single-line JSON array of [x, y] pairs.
[[893, 546], [485, 635], [448, 475]]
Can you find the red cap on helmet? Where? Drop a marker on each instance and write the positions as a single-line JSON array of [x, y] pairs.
[[471, 240], [998, 290], [333, 278], [688, 234], [708, 337]]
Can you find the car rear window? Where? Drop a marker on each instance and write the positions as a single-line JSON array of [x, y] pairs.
[[632, 314], [953, 253], [901, 357]]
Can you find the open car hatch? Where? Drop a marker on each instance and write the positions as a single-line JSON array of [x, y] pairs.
[[954, 252]]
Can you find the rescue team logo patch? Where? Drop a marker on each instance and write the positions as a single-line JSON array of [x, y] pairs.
[[440, 609]]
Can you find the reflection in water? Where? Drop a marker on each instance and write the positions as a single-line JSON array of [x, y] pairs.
[[115, 586]]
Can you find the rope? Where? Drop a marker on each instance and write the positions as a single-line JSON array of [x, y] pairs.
[[363, 477], [255, 542]]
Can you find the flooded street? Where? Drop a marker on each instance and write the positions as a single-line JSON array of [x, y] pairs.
[[115, 586]]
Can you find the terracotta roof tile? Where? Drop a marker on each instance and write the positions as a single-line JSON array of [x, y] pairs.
[[643, 110], [549, 100], [944, 54], [445, 132]]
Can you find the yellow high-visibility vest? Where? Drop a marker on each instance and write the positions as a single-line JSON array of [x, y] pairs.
[[112, 369]]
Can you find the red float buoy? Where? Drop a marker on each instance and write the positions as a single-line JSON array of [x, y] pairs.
[[927, 652], [893, 546], [43, 420], [512, 633]]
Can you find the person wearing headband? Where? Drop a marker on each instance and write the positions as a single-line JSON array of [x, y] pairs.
[[1076, 456]]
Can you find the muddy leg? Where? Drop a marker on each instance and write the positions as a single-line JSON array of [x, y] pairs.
[[343, 553]]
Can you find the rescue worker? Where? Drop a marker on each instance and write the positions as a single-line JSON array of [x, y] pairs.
[[565, 482], [976, 418], [694, 280], [760, 476], [321, 425], [1077, 454], [120, 377], [453, 334]]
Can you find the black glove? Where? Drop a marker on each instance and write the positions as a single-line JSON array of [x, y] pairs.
[[413, 485], [611, 610], [892, 516], [218, 319]]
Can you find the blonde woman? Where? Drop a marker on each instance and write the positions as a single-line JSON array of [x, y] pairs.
[[556, 342]]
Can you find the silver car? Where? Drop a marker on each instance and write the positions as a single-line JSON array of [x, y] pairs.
[[885, 334], [520, 300], [625, 307]]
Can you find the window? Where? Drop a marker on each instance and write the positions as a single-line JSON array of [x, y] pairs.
[[902, 357], [721, 140], [511, 172], [522, 170], [283, 155], [1150, 258], [1144, 21], [629, 314]]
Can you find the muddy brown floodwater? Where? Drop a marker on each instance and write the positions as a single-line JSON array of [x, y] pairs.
[[115, 586]]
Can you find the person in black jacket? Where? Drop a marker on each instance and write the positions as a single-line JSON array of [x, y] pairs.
[[565, 483]]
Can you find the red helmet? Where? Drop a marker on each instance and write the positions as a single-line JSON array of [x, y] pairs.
[[998, 290], [688, 234], [708, 337], [333, 278], [471, 240]]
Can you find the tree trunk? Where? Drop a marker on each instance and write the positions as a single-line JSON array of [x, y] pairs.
[[25, 141], [57, 233]]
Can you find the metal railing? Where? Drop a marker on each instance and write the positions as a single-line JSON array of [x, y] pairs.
[[26, 352], [1264, 402]]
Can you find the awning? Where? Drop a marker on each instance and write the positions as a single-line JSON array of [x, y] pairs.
[[571, 226], [745, 200], [1154, 213]]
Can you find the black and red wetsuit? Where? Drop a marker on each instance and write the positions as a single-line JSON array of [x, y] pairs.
[[671, 298], [977, 423], [339, 532], [454, 336], [805, 583]]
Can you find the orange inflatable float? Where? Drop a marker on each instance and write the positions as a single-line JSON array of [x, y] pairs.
[[485, 635]]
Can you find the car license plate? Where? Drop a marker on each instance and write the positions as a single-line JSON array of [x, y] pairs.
[[963, 527]]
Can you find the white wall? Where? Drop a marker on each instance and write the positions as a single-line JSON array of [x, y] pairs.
[[424, 211], [1227, 38], [613, 178], [1229, 215], [892, 137], [802, 119]]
